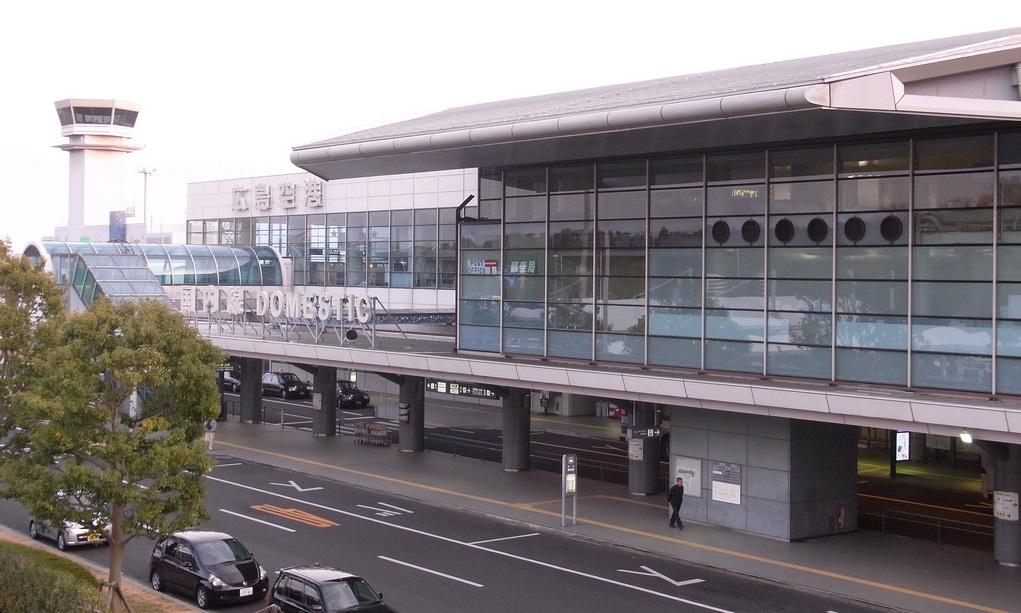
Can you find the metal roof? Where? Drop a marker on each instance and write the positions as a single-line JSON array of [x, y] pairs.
[[484, 133]]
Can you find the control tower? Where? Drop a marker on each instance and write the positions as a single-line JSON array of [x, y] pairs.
[[99, 134]]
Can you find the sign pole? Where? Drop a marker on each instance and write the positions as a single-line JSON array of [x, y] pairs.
[[569, 487]]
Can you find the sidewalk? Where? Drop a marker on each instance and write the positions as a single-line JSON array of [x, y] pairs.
[[891, 571]]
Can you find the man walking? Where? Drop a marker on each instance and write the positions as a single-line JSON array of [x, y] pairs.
[[210, 427], [675, 497]]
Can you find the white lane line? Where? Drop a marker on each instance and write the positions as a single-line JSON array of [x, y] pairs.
[[363, 417], [453, 541], [505, 538], [261, 521], [429, 570], [393, 506], [230, 464], [350, 413], [462, 431]]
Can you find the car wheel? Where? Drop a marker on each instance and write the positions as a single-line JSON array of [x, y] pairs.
[[202, 598], [61, 543], [32, 530], [156, 580]]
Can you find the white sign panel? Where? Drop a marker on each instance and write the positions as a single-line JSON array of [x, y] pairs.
[[725, 492], [690, 472], [636, 449], [1005, 505], [903, 446]]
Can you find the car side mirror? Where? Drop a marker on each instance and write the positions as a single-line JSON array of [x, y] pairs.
[[380, 595], [317, 607]]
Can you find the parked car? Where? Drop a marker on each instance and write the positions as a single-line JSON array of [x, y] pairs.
[[72, 533], [349, 396], [321, 589], [230, 383], [285, 385], [212, 567]]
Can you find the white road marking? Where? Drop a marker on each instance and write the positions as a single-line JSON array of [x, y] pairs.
[[429, 570], [350, 413], [297, 487], [454, 541], [380, 512], [364, 417], [505, 538], [462, 431], [393, 506], [230, 464], [651, 573], [261, 521]]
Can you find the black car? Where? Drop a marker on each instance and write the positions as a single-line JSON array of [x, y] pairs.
[[231, 383], [349, 396], [285, 385], [321, 589], [212, 567]]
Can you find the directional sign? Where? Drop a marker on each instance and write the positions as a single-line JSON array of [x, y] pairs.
[[297, 487], [648, 572]]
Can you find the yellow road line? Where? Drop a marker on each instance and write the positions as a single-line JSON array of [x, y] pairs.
[[296, 514], [642, 533]]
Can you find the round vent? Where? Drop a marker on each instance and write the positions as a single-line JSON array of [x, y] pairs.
[[784, 231], [721, 232], [854, 229], [891, 228], [750, 231], [818, 230]]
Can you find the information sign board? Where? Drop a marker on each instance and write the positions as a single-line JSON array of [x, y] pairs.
[[1005, 505], [726, 482]]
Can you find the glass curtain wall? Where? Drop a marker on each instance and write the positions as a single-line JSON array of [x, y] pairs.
[[357, 249], [424, 257], [479, 290], [402, 231], [874, 262]]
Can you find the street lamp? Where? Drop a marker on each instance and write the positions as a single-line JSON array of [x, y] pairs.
[[145, 200]]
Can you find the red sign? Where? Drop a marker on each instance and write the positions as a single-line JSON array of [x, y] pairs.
[[490, 263]]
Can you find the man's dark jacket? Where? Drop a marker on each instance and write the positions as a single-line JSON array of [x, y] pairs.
[[676, 495]]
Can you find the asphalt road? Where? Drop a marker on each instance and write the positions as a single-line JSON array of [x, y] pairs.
[[432, 559]]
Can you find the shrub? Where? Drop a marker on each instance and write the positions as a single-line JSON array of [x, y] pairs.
[[34, 580]]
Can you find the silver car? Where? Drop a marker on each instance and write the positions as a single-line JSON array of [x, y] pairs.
[[72, 534]]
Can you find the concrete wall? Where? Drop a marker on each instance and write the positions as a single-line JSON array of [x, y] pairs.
[[794, 474]]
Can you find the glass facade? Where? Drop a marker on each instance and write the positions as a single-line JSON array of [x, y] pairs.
[[889, 262], [411, 248]]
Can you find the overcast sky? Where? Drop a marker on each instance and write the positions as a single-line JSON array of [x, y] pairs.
[[227, 88]]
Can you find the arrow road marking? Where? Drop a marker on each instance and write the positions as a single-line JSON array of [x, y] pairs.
[[297, 515], [297, 487], [393, 506], [651, 573]]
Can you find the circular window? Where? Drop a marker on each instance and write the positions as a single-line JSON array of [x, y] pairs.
[[750, 231], [854, 229], [818, 230], [891, 228], [721, 232], [784, 231]]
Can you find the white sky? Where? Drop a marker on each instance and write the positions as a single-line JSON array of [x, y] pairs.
[[227, 87]]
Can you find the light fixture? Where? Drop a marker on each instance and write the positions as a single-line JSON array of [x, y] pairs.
[[966, 437]]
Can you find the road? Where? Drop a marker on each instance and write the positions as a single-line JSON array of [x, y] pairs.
[[432, 559]]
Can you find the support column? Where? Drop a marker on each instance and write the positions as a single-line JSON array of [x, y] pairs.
[[324, 383], [1007, 533], [643, 474], [251, 390], [517, 429], [411, 414]]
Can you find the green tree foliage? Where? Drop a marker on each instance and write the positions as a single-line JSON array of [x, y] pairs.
[[30, 306], [81, 455]]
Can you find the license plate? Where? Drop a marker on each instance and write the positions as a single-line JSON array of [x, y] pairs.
[[93, 537], [246, 591]]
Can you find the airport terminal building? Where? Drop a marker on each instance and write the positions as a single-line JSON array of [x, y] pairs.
[[773, 255]]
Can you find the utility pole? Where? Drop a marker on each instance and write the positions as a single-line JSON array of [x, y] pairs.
[[145, 199]]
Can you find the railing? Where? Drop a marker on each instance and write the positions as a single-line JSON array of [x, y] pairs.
[[931, 527]]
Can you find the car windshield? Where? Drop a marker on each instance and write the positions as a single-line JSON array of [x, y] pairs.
[[289, 377], [220, 552], [346, 593]]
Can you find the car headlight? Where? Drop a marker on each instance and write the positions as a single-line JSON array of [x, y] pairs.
[[262, 572], [216, 581], [293, 388]]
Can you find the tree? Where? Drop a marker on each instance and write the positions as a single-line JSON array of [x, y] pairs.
[[30, 305], [85, 455]]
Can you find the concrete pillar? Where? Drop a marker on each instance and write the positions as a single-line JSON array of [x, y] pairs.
[[251, 390], [411, 414], [324, 383], [516, 429], [1007, 533], [643, 474], [917, 447]]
